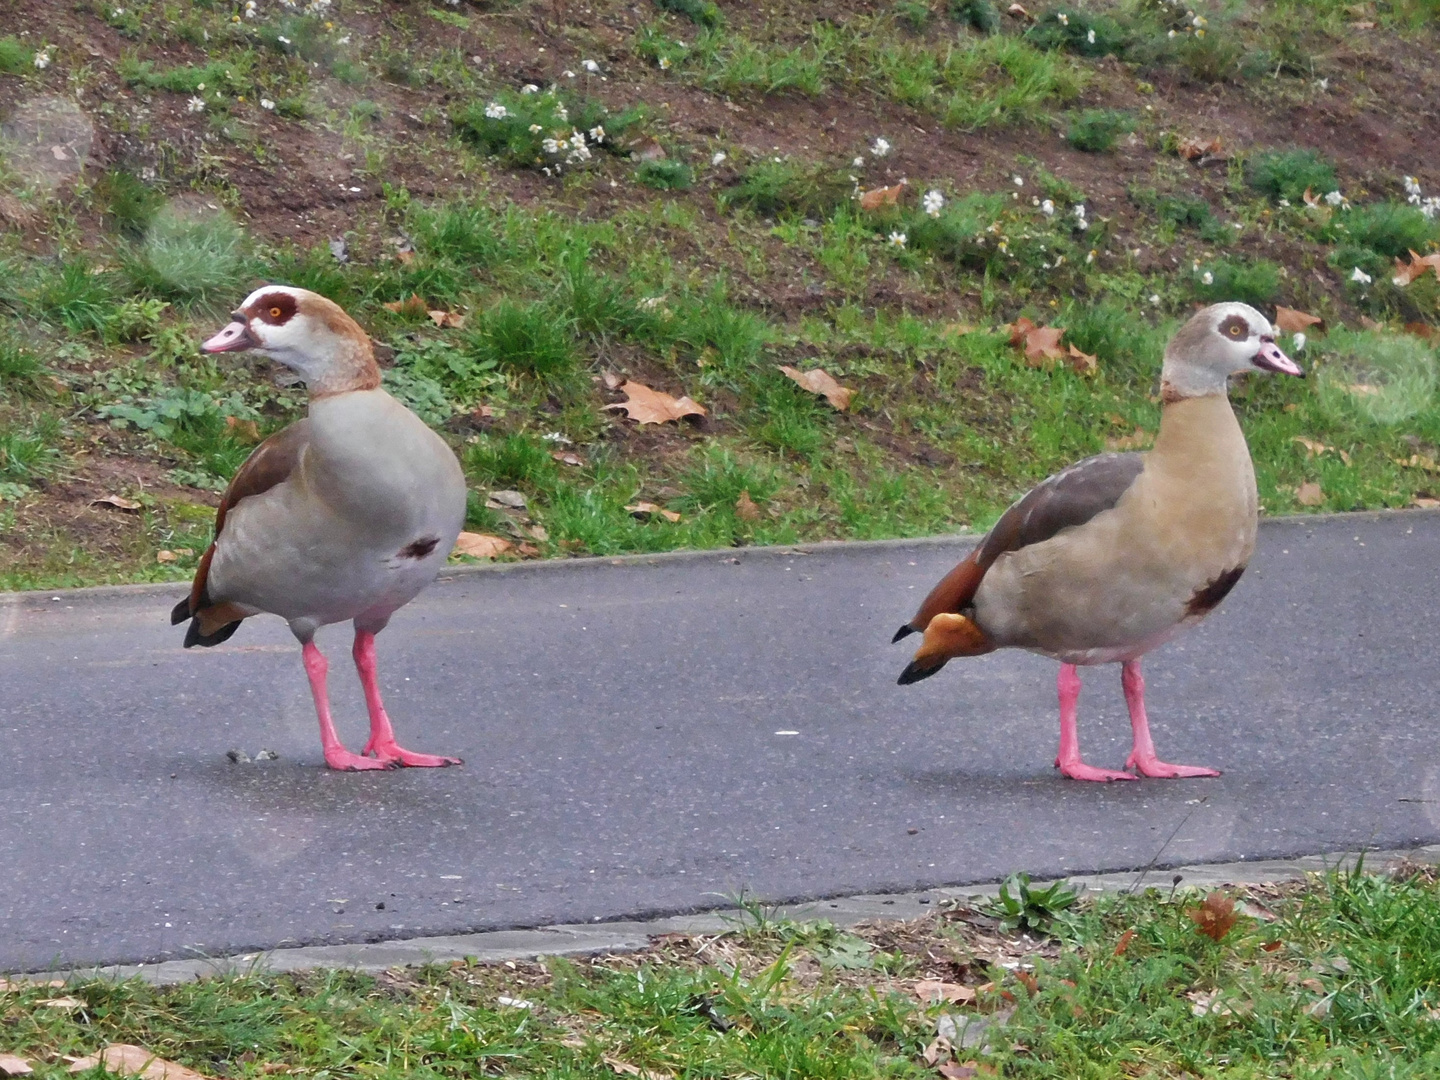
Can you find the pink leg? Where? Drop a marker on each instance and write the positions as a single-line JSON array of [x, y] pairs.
[[382, 736], [336, 756], [1069, 761], [1142, 756]]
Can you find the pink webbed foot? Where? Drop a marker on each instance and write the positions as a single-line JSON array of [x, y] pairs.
[[343, 760], [1153, 766], [392, 754], [1078, 770]]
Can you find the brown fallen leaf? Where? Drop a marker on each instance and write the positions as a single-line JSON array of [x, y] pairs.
[[63, 1003], [648, 150], [1194, 149], [1370, 324], [1312, 448], [8, 985], [446, 320], [611, 380], [1422, 503], [1309, 199], [405, 256], [1405, 273], [647, 406], [1296, 322], [1424, 331], [15, 1065], [1138, 439], [119, 502], [1019, 12], [644, 510], [933, 991], [819, 381], [1273, 946], [481, 545], [1028, 981], [1082, 363], [1309, 494], [567, 457], [1124, 943], [1215, 916], [412, 307], [1041, 343], [165, 556], [244, 430], [745, 508], [882, 196], [126, 1060]]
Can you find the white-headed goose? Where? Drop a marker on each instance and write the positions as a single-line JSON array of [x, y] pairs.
[[345, 515], [1117, 554]]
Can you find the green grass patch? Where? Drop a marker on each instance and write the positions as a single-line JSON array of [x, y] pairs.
[[1098, 130], [1288, 174], [16, 57]]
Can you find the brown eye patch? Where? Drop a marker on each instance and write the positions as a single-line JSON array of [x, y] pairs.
[[274, 308], [1235, 327]]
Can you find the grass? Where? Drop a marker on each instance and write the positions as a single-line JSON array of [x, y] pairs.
[[1330, 979], [564, 273]]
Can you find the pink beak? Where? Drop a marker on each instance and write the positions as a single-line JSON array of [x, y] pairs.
[[233, 338], [1270, 358]]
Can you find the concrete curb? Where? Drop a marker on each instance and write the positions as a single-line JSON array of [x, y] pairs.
[[173, 588], [576, 939]]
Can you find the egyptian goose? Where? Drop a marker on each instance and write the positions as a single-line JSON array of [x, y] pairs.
[[346, 514], [1117, 554]]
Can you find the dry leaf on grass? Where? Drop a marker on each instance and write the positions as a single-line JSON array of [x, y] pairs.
[[481, 545], [1315, 449], [1124, 943], [1081, 362], [745, 508], [821, 382], [643, 510], [63, 1003], [16, 985], [126, 1060], [882, 196], [15, 1065], [1405, 273], [244, 430], [567, 457], [1041, 343], [648, 406], [1422, 503], [446, 320], [412, 307], [1215, 916], [1309, 494], [1424, 331], [1293, 321], [932, 991], [119, 502], [1418, 461], [955, 1070], [1201, 149], [1019, 12]]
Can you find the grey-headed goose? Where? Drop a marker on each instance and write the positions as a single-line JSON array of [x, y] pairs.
[[1117, 554], [345, 515]]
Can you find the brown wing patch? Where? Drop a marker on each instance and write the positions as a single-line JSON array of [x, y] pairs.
[[276, 308], [1207, 598], [269, 464], [1071, 497]]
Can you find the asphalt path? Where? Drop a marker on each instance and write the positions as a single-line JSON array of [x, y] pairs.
[[651, 736]]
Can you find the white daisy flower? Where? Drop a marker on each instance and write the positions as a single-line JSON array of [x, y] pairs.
[[1208, 278], [550, 146], [1154, 298], [590, 66], [1298, 341], [664, 63], [267, 104], [717, 157], [1359, 275], [1334, 198], [535, 129], [858, 163], [1019, 182], [897, 239], [1047, 208], [1090, 37], [530, 88], [880, 147], [496, 111], [195, 105], [598, 133], [933, 202]]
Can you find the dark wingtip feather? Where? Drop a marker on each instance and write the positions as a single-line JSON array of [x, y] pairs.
[[913, 673], [194, 637], [180, 612], [904, 631]]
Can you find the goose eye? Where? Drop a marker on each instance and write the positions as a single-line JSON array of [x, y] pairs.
[[275, 313], [1234, 327]]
